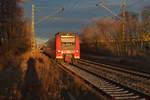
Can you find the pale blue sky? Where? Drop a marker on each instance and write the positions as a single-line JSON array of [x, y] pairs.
[[77, 13]]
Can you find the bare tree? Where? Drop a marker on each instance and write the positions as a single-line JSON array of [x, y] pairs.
[[107, 33], [13, 27]]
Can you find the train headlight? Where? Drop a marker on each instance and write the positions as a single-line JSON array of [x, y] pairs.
[[77, 50], [58, 50]]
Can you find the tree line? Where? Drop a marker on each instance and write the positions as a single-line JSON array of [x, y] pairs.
[[14, 28], [121, 37]]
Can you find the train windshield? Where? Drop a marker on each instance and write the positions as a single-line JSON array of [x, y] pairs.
[[68, 42]]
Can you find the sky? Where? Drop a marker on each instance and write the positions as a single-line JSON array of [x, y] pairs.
[[77, 14]]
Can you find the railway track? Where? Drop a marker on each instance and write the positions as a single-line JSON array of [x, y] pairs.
[[113, 90], [136, 80], [132, 72], [117, 63]]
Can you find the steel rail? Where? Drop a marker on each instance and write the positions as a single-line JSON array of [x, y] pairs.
[[130, 80], [112, 89], [124, 70]]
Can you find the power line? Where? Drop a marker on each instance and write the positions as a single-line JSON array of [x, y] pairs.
[[50, 15], [108, 9], [68, 7], [75, 4]]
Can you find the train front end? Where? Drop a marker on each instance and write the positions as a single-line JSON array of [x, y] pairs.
[[67, 46]]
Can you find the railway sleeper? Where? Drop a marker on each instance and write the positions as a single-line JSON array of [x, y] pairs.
[[108, 84], [112, 90], [122, 95], [127, 97], [111, 86], [117, 92]]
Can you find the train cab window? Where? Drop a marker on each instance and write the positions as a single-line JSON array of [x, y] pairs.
[[68, 45], [68, 42]]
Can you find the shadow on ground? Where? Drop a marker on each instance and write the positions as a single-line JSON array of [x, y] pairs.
[[31, 89]]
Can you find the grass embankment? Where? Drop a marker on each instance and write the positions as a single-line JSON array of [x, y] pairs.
[[29, 77], [36, 77]]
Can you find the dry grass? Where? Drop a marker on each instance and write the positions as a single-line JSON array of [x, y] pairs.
[[35, 79], [38, 78], [23, 76]]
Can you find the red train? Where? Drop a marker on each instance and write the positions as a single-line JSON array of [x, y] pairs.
[[67, 47]]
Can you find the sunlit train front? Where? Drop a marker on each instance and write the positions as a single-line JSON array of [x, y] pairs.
[[67, 46]]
